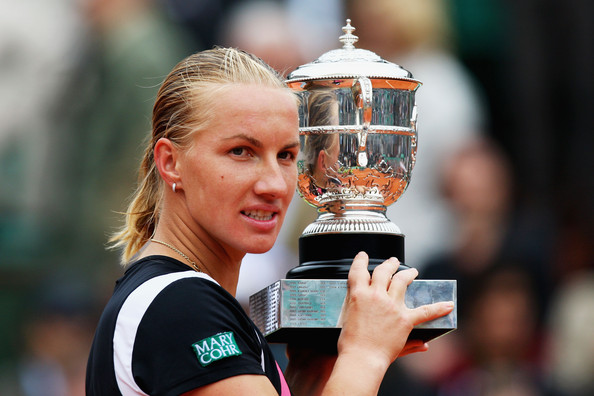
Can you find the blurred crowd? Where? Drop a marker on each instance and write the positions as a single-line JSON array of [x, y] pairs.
[[501, 198]]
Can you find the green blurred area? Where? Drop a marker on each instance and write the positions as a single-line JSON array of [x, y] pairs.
[[69, 151]]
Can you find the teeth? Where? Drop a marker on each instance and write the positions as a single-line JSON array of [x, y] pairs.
[[261, 215]]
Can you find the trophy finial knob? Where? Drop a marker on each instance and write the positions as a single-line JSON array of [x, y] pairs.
[[348, 39]]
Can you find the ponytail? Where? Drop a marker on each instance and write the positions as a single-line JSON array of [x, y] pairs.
[[143, 211]]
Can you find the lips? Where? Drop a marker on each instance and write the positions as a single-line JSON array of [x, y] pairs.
[[260, 215]]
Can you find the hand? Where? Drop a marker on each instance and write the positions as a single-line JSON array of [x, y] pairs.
[[377, 322]]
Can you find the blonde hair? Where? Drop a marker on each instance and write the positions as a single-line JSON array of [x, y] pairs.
[[182, 108]]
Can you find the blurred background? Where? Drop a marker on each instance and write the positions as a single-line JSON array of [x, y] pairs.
[[501, 199]]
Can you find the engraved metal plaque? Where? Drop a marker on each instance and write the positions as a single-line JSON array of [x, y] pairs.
[[291, 309]]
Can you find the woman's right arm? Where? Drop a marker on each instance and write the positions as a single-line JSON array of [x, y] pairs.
[[376, 326]]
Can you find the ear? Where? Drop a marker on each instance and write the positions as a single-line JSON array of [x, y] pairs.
[[166, 157], [321, 162]]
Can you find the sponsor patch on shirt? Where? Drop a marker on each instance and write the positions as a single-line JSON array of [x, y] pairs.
[[217, 347]]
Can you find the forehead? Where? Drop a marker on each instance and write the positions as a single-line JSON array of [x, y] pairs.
[[254, 101], [255, 108], [252, 95]]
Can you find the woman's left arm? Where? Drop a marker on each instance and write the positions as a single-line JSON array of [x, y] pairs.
[[240, 385]]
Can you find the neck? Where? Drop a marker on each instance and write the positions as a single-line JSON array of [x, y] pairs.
[[209, 256]]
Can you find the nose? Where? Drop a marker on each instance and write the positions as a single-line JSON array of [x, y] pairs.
[[272, 180]]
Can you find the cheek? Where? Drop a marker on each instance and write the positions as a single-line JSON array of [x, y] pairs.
[[291, 179], [229, 183]]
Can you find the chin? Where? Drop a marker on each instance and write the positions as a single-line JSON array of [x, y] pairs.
[[259, 249], [260, 246]]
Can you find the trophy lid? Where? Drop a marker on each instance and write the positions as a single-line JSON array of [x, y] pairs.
[[349, 62]]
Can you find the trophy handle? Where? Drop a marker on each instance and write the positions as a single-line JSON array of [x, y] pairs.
[[413, 126], [363, 96]]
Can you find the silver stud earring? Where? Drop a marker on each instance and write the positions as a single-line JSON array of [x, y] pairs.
[[173, 187]]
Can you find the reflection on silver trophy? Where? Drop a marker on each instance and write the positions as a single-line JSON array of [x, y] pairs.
[[357, 124]]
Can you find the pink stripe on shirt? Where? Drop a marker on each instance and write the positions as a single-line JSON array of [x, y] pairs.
[[285, 391]]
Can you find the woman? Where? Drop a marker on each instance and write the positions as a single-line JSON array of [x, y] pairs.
[[216, 181]]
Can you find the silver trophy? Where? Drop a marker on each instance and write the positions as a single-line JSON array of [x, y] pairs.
[[358, 135]]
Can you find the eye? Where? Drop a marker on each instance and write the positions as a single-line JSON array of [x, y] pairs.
[[239, 151], [287, 155]]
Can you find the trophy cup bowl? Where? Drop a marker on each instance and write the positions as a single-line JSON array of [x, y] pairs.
[[358, 146]]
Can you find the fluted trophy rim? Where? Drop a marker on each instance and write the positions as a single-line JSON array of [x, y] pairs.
[[352, 225]]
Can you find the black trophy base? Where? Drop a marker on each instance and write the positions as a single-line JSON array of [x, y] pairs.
[[329, 256]]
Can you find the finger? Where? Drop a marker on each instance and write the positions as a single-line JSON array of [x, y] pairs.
[[382, 274], [400, 282], [413, 346], [358, 273], [429, 312]]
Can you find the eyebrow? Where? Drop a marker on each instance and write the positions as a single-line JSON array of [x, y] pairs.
[[250, 139], [292, 145], [257, 143]]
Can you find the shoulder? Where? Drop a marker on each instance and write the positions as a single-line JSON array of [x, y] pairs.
[[185, 301], [187, 332], [187, 306], [156, 289]]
